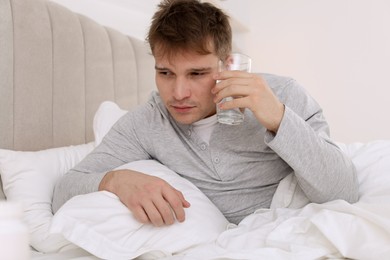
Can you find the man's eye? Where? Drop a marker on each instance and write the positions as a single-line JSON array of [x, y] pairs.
[[165, 73], [197, 74]]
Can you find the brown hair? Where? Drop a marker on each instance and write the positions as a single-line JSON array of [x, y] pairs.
[[183, 25]]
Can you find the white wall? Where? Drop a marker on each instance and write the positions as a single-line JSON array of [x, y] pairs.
[[337, 49]]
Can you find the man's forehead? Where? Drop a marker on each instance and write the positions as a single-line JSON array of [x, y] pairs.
[[166, 51], [188, 60]]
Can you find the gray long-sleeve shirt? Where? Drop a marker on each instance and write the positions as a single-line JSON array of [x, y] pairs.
[[240, 168]]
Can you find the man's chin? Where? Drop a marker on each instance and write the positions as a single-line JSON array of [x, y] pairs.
[[184, 119]]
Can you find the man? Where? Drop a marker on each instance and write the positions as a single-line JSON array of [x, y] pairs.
[[237, 167]]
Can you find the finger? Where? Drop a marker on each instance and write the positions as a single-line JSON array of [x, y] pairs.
[[165, 210], [234, 103], [185, 202], [137, 210], [229, 82], [233, 89], [232, 74], [177, 203], [153, 213], [140, 215]]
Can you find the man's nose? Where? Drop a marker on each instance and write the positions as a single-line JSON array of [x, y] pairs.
[[181, 89]]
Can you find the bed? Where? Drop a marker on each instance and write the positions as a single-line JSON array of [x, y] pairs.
[[65, 80]]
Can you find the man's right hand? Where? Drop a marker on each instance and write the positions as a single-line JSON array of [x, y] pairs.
[[149, 198]]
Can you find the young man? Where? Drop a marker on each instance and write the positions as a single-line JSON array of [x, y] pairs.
[[237, 167]]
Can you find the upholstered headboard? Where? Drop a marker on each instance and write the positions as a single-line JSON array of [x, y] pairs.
[[56, 67]]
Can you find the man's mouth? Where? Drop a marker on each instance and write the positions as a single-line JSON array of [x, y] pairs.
[[182, 108]]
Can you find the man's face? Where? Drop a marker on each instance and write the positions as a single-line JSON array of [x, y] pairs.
[[185, 82]]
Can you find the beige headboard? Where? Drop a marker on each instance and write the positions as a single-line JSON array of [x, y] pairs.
[[56, 67]]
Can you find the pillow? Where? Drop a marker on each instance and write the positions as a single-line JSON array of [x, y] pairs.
[[99, 223], [372, 161], [29, 178], [105, 117]]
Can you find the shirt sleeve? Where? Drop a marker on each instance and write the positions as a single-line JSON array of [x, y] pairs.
[[121, 145], [323, 171]]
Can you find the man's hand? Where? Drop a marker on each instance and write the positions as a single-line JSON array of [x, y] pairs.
[[149, 198], [252, 92]]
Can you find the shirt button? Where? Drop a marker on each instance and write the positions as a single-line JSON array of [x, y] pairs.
[[203, 147], [216, 160], [189, 132]]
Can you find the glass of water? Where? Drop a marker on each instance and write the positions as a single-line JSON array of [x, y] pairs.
[[235, 61]]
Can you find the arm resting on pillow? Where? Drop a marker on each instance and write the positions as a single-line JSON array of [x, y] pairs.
[[146, 196], [118, 147], [151, 199]]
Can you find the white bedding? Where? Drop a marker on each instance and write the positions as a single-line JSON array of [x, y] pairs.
[[330, 230], [334, 229], [75, 254]]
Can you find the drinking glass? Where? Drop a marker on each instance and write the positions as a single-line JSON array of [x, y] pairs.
[[235, 61]]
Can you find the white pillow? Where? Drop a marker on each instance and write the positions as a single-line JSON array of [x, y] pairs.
[[30, 177], [105, 117], [101, 224], [372, 161]]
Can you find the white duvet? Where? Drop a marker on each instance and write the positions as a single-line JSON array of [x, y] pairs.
[[316, 231], [331, 230]]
